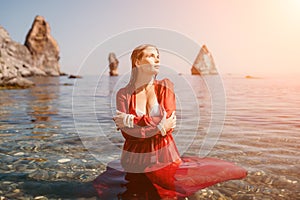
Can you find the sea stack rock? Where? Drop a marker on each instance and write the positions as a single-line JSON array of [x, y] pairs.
[[43, 47], [113, 64], [204, 63]]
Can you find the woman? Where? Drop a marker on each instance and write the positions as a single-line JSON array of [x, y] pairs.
[[146, 114], [146, 117]]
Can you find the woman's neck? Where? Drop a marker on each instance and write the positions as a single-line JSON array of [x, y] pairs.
[[144, 82]]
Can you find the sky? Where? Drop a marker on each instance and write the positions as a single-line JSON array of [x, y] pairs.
[[257, 37]]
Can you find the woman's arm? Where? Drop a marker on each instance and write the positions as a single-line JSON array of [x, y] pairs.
[[137, 131], [169, 103]]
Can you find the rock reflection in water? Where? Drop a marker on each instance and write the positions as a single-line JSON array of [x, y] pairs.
[[42, 106]]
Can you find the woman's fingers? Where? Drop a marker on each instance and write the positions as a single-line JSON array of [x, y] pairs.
[[172, 115], [173, 122], [118, 119], [118, 112], [165, 115]]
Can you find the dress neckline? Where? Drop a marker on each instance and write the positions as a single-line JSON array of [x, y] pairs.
[[133, 101], [153, 111], [155, 107]]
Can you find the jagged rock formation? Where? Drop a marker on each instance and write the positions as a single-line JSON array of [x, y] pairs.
[[113, 64], [39, 57], [204, 63], [42, 46], [15, 62]]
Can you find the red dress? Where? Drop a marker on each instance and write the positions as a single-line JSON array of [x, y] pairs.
[[150, 166], [144, 145]]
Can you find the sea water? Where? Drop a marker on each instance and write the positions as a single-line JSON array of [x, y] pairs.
[[57, 137]]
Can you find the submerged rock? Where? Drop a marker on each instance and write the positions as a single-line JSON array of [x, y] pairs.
[[204, 63], [251, 77], [15, 83], [64, 160], [74, 76]]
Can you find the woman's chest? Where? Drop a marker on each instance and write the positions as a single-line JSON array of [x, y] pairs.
[[146, 103]]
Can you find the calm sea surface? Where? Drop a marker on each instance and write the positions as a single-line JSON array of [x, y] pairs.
[[57, 137]]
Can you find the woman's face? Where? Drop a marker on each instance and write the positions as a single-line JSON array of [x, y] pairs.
[[149, 63]]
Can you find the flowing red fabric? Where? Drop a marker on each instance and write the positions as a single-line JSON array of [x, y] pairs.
[[150, 165], [173, 181], [193, 174]]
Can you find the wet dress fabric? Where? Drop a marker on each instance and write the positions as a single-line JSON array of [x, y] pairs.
[[150, 165]]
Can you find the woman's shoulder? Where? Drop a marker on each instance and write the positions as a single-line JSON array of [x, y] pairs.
[[124, 91], [166, 83]]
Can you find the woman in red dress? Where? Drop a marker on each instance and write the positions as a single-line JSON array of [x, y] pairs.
[[152, 166], [146, 114]]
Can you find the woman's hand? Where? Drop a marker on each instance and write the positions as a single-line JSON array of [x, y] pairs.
[[169, 123], [119, 119]]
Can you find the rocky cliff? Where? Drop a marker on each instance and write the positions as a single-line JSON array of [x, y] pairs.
[[204, 63], [39, 57]]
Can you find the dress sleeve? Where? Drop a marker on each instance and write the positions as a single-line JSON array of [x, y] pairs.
[[168, 97], [137, 131]]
